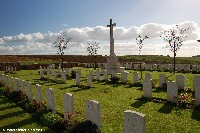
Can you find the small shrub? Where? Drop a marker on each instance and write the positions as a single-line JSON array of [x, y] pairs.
[[2, 84], [138, 84], [73, 74], [84, 127], [53, 121], [115, 79], [164, 86], [44, 79], [185, 100]]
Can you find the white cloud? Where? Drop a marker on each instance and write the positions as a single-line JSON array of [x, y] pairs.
[[40, 43], [152, 30]]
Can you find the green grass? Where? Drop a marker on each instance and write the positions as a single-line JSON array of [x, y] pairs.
[[30, 62], [116, 98], [14, 117]]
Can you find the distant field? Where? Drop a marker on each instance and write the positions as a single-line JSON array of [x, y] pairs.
[[47, 59], [116, 98]]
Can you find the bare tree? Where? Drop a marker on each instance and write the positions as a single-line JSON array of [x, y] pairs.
[[61, 45], [174, 37], [140, 40], [92, 48]]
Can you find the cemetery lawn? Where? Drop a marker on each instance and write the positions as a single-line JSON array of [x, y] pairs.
[[116, 98], [14, 117]]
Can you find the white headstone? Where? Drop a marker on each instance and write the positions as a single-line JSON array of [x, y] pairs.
[[63, 77], [23, 86], [161, 67], [105, 75], [98, 75], [197, 90], [89, 80], [162, 79], [51, 101], [172, 91], [42, 73], [12, 82], [148, 76], [125, 76], [11, 69], [187, 68], [8, 68], [67, 71], [40, 70], [30, 91], [77, 79], [48, 74], [53, 66], [79, 72], [194, 68], [134, 122], [154, 66], [180, 79], [136, 66], [59, 71], [38, 93], [50, 69], [135, 77], [147, 88], [17, 84], [93, 112], [55, 76], [68, 105], [91, 72], [15, 69], [6, 80]]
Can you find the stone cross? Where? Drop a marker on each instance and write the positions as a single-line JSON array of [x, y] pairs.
[[111, 38]]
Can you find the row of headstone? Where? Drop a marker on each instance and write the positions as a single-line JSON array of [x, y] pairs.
[[21, 83], [10, 69], [134, 122], [161, 67], [92, 65], [172, 87]]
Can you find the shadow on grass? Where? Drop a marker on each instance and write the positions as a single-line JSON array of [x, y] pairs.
[[140, 88], [66, 87], [3, 101], [82, 89], [17, 125], [196, 114], [51, 84], [166, 108], [158, 90], [138, 104], [8, 107], [9, 115]]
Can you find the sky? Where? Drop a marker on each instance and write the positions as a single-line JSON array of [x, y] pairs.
[[29, 27]]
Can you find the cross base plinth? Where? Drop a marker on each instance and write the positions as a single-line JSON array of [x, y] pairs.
[[113, 66]]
